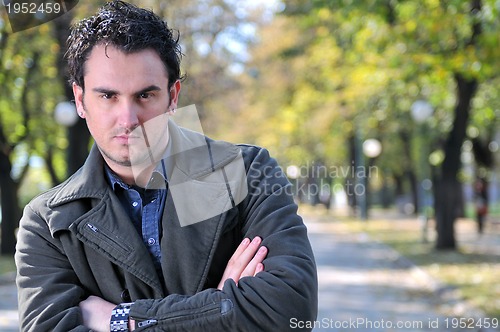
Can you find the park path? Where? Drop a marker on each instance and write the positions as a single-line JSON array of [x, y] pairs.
[[365, 285]]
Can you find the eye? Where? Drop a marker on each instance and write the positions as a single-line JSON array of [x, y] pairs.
[[107, 95], [146, 95]]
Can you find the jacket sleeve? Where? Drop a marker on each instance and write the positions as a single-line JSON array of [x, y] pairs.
[[285, 292], [48, 290]]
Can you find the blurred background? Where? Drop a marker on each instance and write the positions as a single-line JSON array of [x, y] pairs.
[[376, 110]]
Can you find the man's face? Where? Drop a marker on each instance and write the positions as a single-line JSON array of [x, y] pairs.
[[122, 92]]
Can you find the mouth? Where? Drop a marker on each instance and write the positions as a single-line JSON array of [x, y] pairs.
[[126, 139]]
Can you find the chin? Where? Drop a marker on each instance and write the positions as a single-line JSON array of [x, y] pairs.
[[124, 162]]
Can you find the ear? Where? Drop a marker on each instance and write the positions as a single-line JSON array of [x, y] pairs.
[[175, 90], [78, 93]]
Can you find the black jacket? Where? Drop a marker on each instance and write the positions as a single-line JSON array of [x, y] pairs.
[[76, 240]]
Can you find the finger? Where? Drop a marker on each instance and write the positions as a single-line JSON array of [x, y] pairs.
[[259, 268], [239, 262], [229, 271], [242, 256], [248, 254], [241, 248], [250, 269], [240, 259]]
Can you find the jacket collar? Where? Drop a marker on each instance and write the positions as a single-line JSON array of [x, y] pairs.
[[194, 154]]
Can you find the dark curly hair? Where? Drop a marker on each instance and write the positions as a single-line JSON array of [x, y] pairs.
[[130, 29]]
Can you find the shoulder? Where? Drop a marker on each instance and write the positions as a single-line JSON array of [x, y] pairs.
[[255, 154], [261, 166], [41, 200]]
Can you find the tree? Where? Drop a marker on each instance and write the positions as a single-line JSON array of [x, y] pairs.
[[465, 49], [361, 64], [78, 134], [22, 113]]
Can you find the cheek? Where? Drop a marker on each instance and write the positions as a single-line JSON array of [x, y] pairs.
[[100, 124], [97, 122], [94, 128], [152, 111], [96, 115]]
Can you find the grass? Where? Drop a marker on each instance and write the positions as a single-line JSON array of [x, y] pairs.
[[473, 269]]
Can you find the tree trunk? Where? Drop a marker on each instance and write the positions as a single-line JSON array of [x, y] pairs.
[[78, 134], [11, 212], [409, 170], [350, 180], [78, 148], [448, 189]]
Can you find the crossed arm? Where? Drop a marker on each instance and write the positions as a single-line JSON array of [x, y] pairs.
[[246, 261]]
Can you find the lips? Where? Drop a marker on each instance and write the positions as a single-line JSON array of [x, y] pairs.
[[126, 139]]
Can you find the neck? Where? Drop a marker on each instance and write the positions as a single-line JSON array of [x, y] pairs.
[[133, 175]]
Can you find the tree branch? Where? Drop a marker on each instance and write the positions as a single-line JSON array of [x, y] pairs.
[[476, 6], [24, 96], [49, 164]]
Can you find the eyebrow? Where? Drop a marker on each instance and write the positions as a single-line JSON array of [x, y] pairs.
[[148, 89], [114, 92], [104, 90]]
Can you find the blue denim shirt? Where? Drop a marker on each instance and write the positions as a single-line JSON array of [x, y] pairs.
[[145, 208]]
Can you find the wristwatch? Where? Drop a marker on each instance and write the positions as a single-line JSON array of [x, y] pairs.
[[119, 318]]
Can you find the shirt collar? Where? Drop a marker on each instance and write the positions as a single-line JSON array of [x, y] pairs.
[[113, 179], [157, 181]]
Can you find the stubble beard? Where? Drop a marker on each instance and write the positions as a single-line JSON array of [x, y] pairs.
[[139, 158]]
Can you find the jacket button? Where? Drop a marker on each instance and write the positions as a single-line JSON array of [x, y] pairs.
[[126, 296]]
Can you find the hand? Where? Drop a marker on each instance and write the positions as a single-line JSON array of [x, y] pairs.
[[96, 313], [246, 261]]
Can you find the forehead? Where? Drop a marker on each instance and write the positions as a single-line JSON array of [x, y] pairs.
[[108, 64]]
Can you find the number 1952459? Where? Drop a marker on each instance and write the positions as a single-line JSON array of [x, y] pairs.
[[471, 323], [32, 8]]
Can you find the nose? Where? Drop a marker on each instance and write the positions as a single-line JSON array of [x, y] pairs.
[[128, 115]]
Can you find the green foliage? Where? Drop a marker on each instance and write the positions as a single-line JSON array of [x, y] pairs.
[[329, 67], [30, 91], [321, 72]]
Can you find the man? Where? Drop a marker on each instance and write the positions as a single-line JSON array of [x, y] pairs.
[[162, 229]]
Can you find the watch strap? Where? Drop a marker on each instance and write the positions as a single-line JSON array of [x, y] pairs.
[[119, 318]]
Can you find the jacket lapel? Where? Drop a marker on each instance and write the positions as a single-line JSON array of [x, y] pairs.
[[108, 230], [102, 225]]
